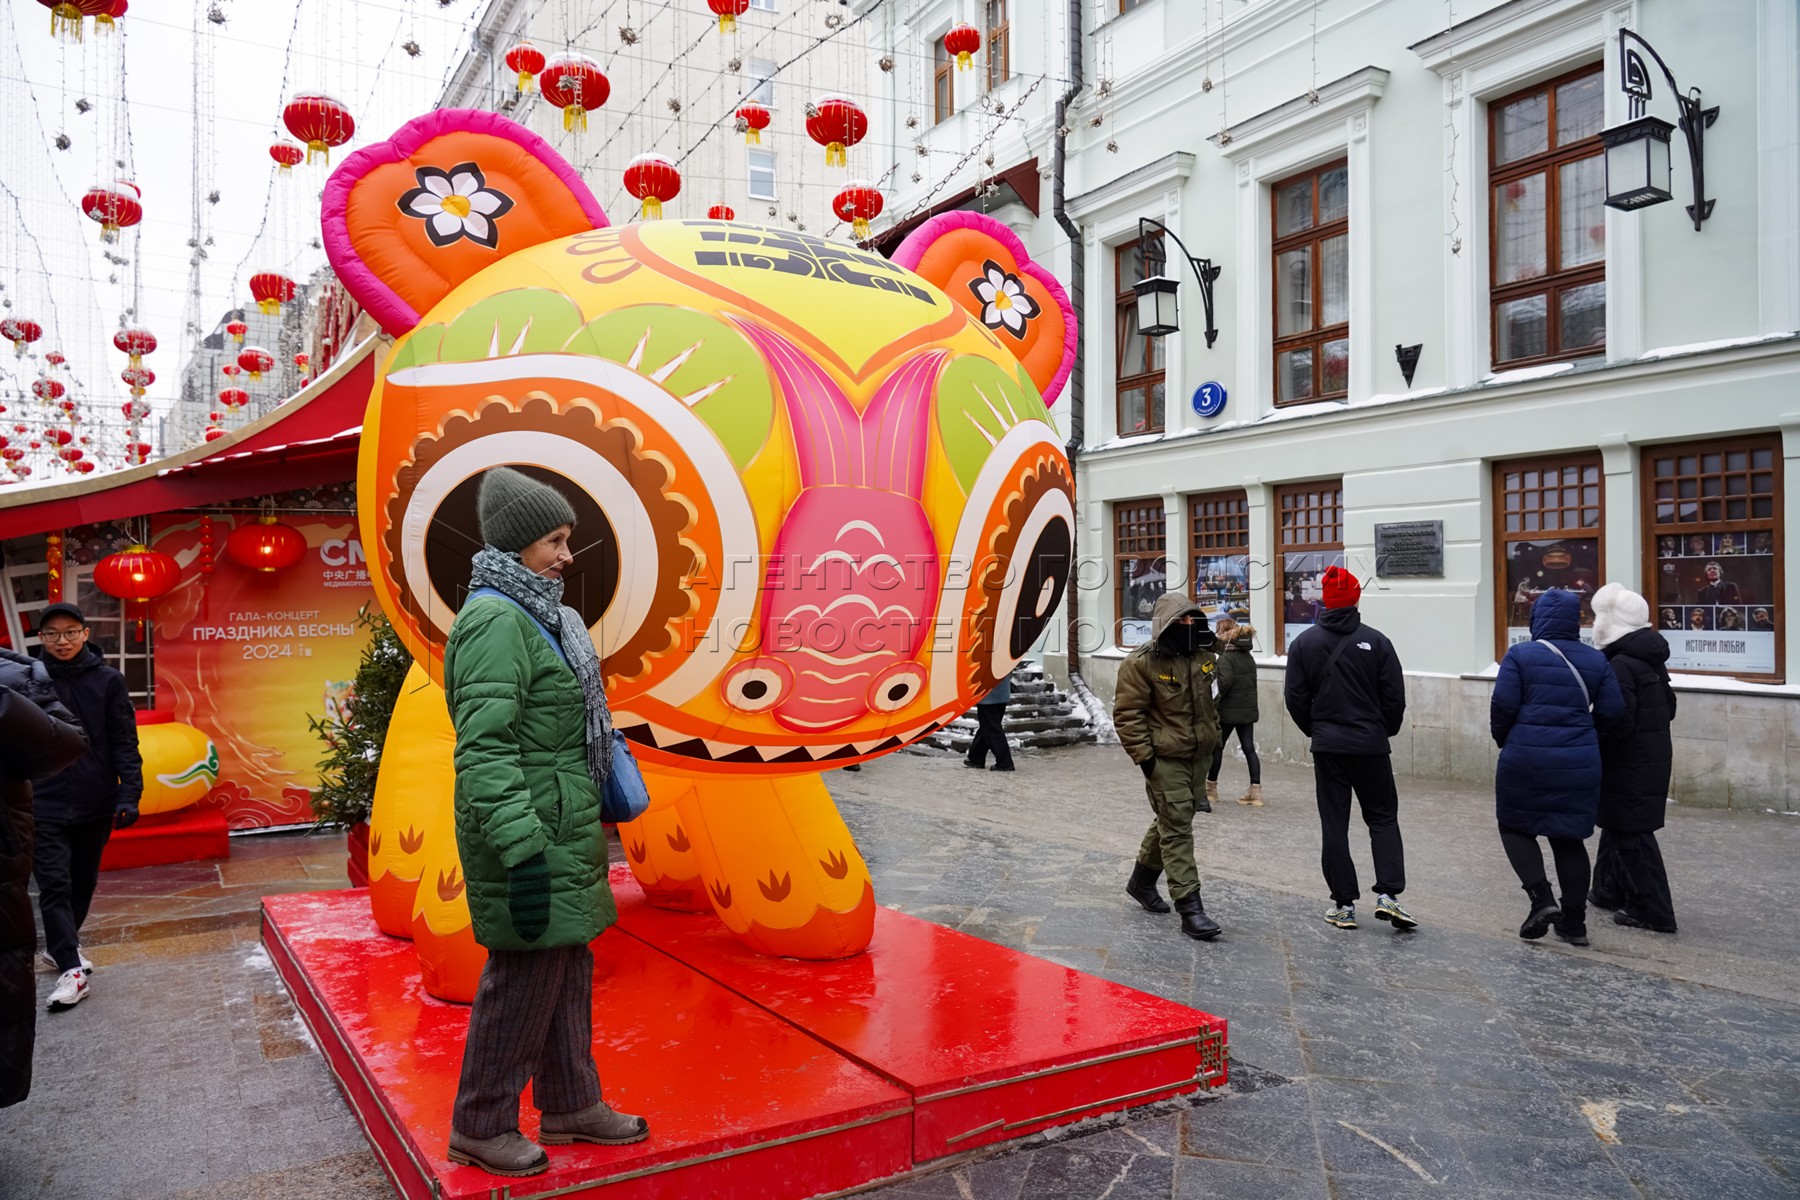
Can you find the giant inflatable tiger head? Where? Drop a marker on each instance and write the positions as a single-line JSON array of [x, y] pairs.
[[822, 506]]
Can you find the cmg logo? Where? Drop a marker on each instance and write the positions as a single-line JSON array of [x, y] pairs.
[[341, 552]]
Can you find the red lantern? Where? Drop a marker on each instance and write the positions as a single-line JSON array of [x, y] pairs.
[[214, 434], [287, 156], [859, 203], [57, 437], [103, 22], [268, 545], [86, 468], [303, 360], [752, 119], [237, 329], [66, 15], [215, 417], [137, 574], [271, 290], [527, 60], [721, 212], [53, 558], [138, 378], [319, 121], [654, 180], [47, 390], [576, 85], [135, 410], [21, 332], [255, 360], [138, 452], [68, 407], [837, 123], [117, 205], [233, 398], [728, 12], [70, 454], [55, 358], [963, 41], [135, 343]]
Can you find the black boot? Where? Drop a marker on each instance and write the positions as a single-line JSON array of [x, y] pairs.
[[1194, 921], [1544, 912], [1142, 888]]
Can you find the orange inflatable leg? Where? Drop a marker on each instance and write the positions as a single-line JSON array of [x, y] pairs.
[[780, 866], [660, 849]]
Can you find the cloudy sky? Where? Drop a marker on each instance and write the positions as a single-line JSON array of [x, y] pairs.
[[53, 266]]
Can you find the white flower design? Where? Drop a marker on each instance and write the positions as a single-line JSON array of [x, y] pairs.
[[1004, 302], [457, 203]]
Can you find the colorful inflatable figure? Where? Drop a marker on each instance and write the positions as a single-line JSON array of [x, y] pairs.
[[822, 506]]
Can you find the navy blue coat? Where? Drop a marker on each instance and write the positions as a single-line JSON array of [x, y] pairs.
[[1548, 780]]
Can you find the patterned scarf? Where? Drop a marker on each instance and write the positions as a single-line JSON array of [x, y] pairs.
[[541, 596]]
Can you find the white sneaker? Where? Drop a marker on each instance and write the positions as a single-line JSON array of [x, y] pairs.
[[48, 961], [71, 989]]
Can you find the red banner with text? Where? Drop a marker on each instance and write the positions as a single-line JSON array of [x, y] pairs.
[[247, 656]]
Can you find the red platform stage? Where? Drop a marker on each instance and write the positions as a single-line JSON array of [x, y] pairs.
[[185, 835], [764, 1078]]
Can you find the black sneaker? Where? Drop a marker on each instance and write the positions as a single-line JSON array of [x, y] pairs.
[[1574, 935]]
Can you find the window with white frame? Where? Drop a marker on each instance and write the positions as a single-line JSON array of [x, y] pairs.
[[761, 164], [119, 637], [762, 72], [763, 5]]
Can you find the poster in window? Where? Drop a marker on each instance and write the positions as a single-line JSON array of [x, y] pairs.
[[1715, 600], [1533, 568], [1302, 593], [1144, 581], [1222, 587]]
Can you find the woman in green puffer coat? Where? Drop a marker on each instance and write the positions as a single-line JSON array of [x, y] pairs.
[[533, 748], [1237, 707]]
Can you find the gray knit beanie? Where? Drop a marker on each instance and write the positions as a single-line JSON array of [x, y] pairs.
[[516, 510]]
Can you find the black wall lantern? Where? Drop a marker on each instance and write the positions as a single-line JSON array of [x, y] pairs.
[[1156, 310], [1637, 152]]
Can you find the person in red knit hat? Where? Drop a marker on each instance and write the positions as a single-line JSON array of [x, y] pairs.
[[1346, 692]]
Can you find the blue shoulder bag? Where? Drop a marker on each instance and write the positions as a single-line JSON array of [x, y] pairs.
[[625, 797]]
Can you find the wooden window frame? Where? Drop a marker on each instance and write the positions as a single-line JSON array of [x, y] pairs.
[[1333, 492], [1653, 528], [1503, 537], [1132, 520], [1552, 283], [999, 43], [1124, 306], [943, 82], [1218, 527], [1315, 236]]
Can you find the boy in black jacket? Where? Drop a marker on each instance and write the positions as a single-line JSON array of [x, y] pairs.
[[1346, 692], [78, 809]]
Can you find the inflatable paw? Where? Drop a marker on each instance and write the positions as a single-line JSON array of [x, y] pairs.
[[821, 507]]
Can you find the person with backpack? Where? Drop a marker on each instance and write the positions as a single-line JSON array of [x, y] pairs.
[[1237, 708], [1345, 691], [1552, 696], [1636, 759]]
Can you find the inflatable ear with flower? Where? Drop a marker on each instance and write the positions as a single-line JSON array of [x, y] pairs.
[[821, 505]]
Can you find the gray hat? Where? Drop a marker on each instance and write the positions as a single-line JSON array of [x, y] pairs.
[[516, 510]]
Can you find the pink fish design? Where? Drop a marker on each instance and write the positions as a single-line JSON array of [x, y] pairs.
[[853, 579]]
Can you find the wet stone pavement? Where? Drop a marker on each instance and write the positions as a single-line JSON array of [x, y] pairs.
[[1455, 1061]]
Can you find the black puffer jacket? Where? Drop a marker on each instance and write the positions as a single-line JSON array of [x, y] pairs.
[[1361, 702], [110, 775], [38, 737], [1237, 678], [1637, 755]]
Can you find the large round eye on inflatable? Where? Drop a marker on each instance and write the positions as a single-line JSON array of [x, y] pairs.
[[821, 507]]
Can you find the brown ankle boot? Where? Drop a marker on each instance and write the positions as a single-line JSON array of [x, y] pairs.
[[1253, 796], [1212, 794], [599, 1123]]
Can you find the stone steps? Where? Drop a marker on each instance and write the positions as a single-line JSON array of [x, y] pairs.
[[1039, 716]]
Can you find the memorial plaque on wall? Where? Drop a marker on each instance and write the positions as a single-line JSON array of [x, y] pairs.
[[1409, 548]]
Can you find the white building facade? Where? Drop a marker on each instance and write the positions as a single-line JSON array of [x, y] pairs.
[[1440, 359]]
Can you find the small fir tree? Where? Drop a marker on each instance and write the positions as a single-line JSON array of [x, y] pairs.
[[346, 791]]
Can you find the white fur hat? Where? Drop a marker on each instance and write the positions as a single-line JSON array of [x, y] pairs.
[[1618, 611]]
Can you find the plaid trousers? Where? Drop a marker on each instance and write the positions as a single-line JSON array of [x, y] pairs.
[[533, 1019]]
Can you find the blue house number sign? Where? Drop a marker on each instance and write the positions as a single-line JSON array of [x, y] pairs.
[[1209, 399]]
